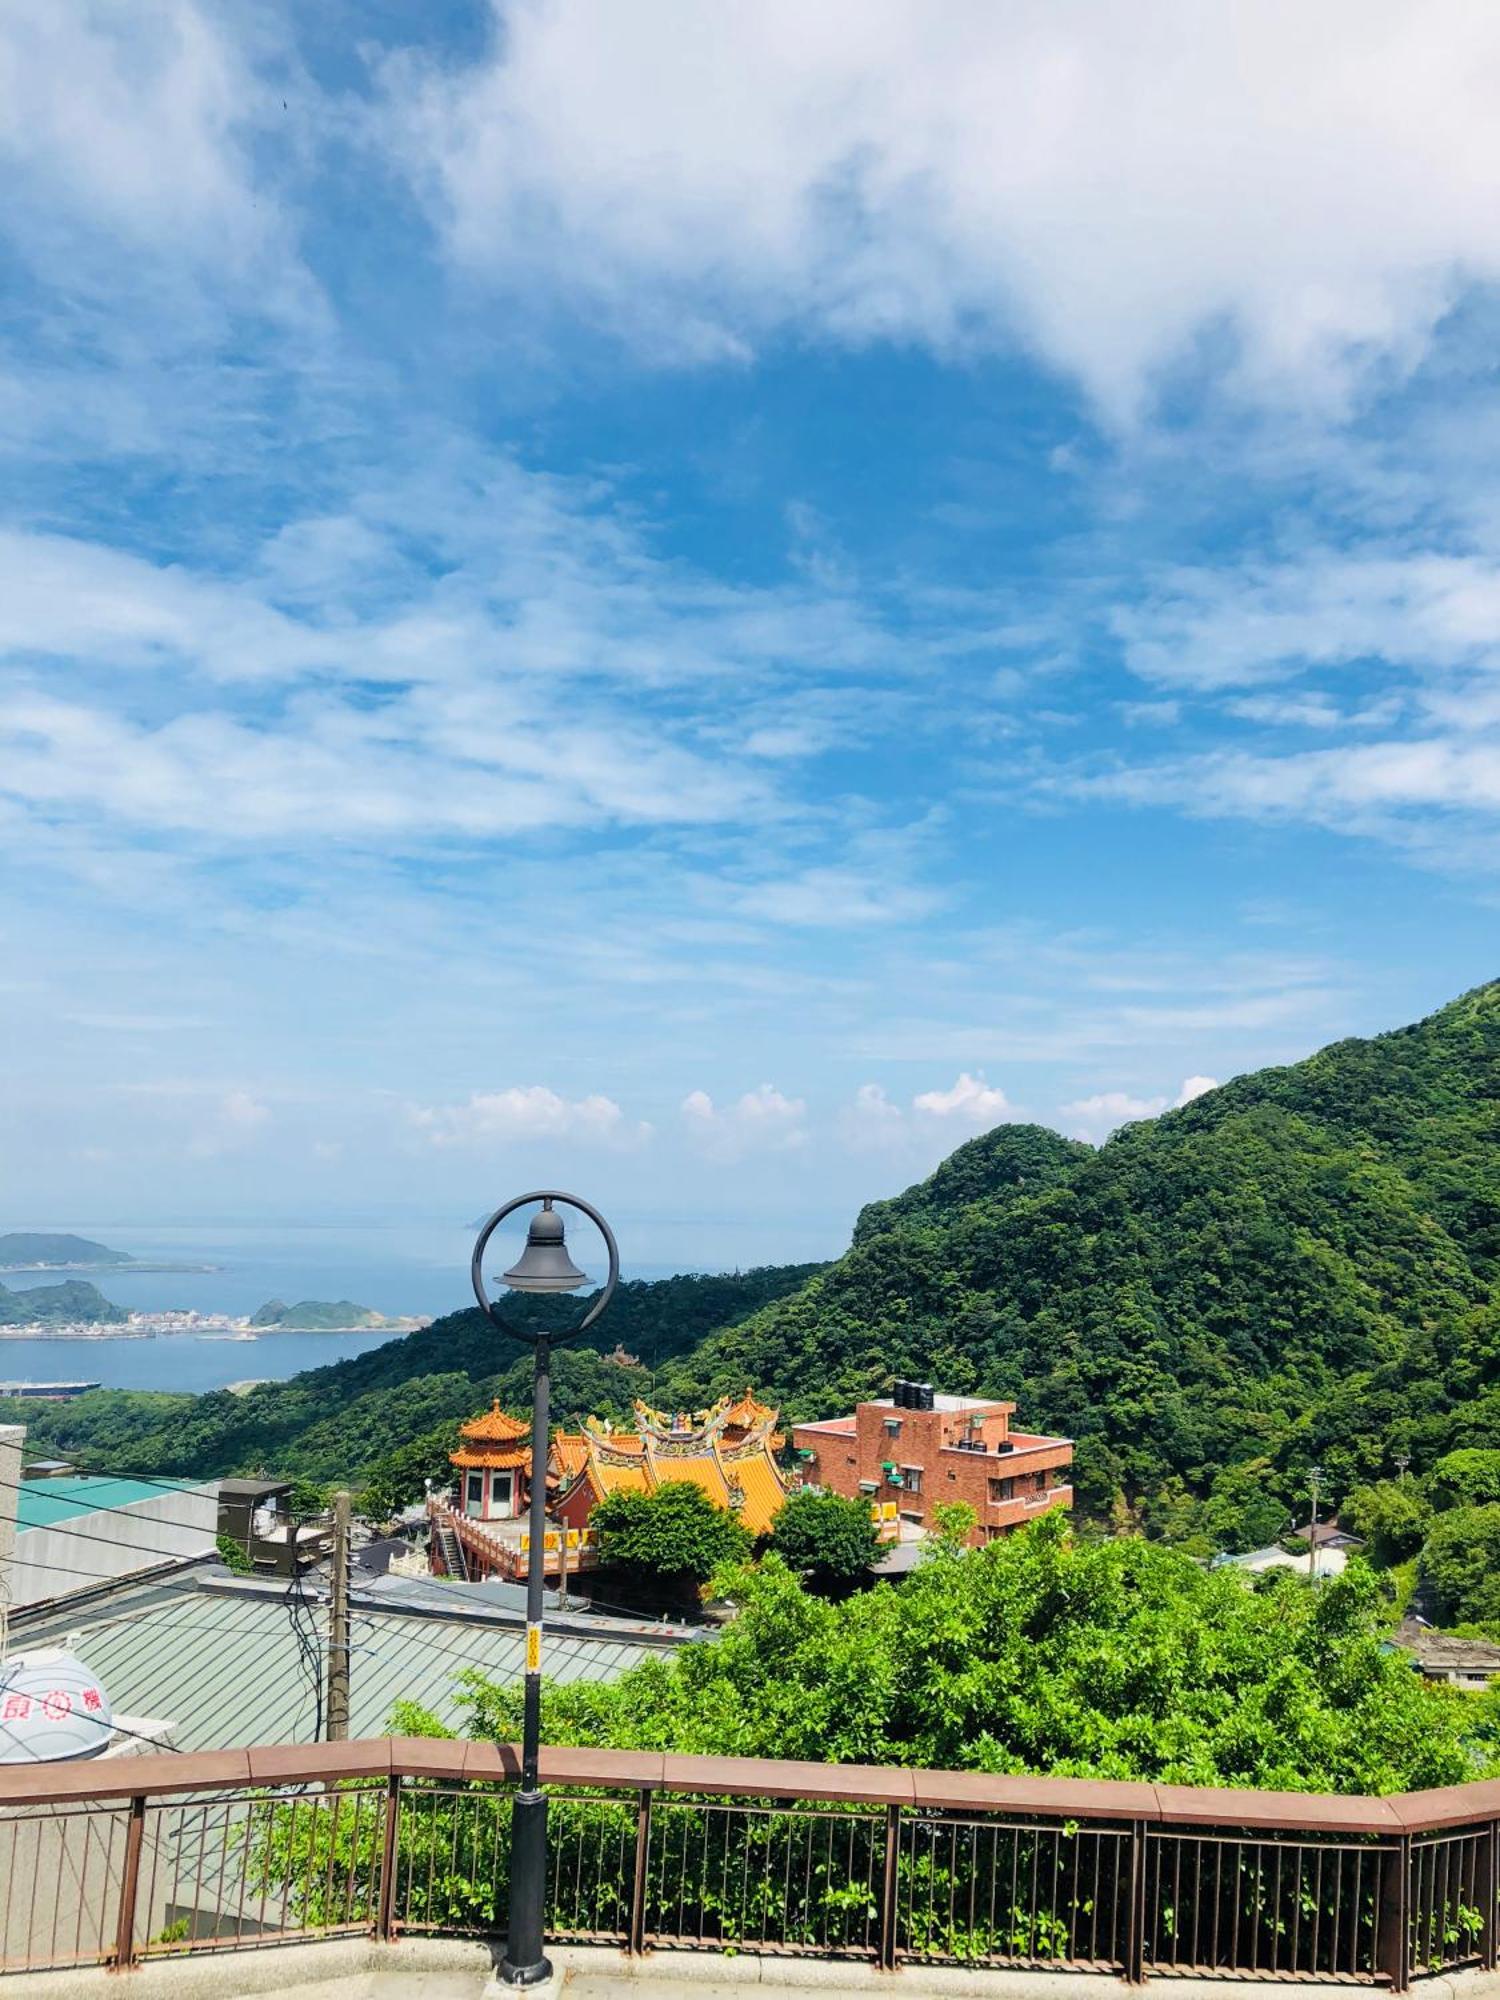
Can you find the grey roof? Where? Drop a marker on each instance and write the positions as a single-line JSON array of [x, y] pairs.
[[223, 1664], [1445, 1651]]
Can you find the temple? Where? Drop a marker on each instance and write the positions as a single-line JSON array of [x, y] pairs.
[[729, 1450]]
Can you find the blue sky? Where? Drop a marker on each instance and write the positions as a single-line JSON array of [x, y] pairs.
[[704, 602]]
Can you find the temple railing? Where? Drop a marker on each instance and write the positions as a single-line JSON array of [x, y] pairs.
[[141, 1858]]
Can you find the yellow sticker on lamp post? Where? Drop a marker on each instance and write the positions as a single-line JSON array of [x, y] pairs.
[[533, 1649]]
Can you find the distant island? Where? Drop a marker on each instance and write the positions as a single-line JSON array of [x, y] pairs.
[[48, 1250], [76, 1310], [322, 1316], [32, 1250], [73, 1303]]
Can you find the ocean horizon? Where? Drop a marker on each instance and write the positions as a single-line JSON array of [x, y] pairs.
[[400, 1270]]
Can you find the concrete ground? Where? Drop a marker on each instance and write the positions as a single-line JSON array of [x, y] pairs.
[[449, 1969]]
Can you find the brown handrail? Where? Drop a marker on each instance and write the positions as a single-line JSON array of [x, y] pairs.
[[750, 1777]]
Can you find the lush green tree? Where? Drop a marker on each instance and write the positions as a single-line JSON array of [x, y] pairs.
[[1469, 1477], [666, 1544], [831, 1540], [1461, 1561], [1110, 1658], [399, 1477], [1391, 1516]]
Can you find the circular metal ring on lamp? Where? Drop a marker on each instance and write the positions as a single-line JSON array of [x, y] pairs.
[[476, 1271]]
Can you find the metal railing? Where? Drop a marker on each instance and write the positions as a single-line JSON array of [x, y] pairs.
[[141, 1858]]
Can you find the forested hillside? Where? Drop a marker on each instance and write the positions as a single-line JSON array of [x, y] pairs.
[[341, 1422], [1299, 1266]]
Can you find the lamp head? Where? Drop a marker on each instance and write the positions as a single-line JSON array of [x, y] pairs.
[[544, 1265]]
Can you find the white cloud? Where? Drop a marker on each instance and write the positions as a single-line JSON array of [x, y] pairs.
[[1226, 628], [130, 115], [1106, 184], [1356, 788], [1195, 1086], [522, 1113], [1094, 1118], [872, 1123], [762, 1121], [935, 1122], [969, 1101]]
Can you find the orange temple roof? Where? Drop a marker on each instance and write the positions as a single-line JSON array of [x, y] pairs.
[[494, 1427], [495, 1441], [725, 1450]]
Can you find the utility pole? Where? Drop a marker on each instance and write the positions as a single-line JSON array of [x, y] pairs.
[[338, 1625], [1403, 1459], [1315, 1474]]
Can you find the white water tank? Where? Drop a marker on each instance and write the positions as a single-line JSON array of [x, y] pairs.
[[52, 1709]]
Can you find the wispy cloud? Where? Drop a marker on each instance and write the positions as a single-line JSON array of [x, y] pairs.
[[1108, 189]]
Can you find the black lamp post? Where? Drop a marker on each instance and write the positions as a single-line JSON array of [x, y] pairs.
[[543, 1266]]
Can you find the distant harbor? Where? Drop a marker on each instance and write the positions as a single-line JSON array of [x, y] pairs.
[[195, 1326], [128, 1268], [46, 1392]]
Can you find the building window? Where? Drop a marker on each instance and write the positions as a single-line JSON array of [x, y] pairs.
[[1002, 1489], [893, 1425], [911, 1478]]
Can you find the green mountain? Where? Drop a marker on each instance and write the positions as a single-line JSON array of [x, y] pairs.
[[1302, 1266], [1299, 1266], [23, 1248], [57, 1305], [315, 1316], [341, 1422]]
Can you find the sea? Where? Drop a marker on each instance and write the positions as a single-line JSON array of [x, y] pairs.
[[400, 1270]]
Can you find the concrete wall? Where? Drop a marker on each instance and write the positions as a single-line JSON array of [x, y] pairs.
[[86, 1549]]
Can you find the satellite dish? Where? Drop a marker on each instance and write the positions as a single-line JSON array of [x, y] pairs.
[[52, 1709]]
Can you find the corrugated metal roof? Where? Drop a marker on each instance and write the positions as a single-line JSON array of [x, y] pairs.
[[41, 1503], [224, 1666]]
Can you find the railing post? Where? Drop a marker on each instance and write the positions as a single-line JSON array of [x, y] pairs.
[[890, 1883], [1489, 1936], [636, 1941], [130, 1877], [1393, 1938], [385, 1922], [1135, 1908]]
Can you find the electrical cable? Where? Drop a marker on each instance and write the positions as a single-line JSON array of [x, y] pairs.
[[105, 1541]]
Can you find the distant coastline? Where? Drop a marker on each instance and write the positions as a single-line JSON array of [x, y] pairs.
[[196, 1326], [114, 1270]]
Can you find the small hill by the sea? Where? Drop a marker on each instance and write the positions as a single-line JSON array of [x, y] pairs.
[[71, 1304], [316, 1316], [30, 1250]]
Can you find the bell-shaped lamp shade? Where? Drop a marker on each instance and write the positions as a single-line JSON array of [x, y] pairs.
[[544, 1265]]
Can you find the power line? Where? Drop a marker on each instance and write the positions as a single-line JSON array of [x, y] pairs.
[[107, 1541]]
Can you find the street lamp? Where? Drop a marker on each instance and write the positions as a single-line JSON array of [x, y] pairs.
[[543, 1266]]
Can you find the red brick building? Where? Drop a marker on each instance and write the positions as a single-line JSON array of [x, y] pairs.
[[922, 1450]]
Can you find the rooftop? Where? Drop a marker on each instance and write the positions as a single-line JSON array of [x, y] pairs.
[[223, 1662], [950, 1405], [43, 1503]]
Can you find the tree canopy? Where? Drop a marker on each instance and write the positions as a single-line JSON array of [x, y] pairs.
[[1039, 1653], [668, 1542], [831, 1540]]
